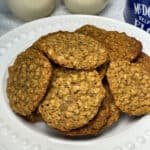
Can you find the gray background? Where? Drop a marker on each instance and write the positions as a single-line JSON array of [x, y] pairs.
[[8, 21]]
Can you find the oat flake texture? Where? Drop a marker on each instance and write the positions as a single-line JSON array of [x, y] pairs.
[[95, 126], [72, 50], [130, 86], [73, 99], [144, 60], [28, 81], [119, 46]]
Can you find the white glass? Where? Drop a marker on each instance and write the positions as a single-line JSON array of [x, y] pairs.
[[86, 6], [31, 9]]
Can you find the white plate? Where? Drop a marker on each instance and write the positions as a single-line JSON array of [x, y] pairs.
[[16, 134]]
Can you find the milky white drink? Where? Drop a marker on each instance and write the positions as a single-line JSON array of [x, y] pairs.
[[31, 9], [86, 6]]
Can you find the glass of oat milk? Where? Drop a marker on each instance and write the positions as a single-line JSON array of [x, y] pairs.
[[137, 12]]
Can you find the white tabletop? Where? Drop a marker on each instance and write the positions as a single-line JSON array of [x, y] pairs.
[[8, 21]]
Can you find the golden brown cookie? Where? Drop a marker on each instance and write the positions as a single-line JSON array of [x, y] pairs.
[[28, 80], [114, 115], [93, 31], [113, 109], [73, 99], [95, 126], [118, 45], [107, 115], [72, 50], [98, 122], [130, 86], [144, 60]]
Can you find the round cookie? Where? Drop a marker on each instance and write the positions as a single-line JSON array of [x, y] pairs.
[[73, 99], [72, 50], [130, 86], [28, 81], [95, 126], [122, 47], [144, 60], [107, 115], [118, 45], [90, 30]]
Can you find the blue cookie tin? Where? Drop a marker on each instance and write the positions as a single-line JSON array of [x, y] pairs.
[[137, 12]]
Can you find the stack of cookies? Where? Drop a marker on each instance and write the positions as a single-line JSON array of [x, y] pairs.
[[79, 82]]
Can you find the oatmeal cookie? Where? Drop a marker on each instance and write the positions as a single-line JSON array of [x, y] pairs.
[[93, 31], [119, 46], [130, 86], [73, 99], [107, 115], [95, 126], [114, 111], [144, 60], [28, 80], [72, 50]]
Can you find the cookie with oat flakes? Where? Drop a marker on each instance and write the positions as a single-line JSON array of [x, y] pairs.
[[119, 46], [130, 86], [95, 126], [114, 111], [73, 99], [28, 81], [144, 60], [107, 115], [93, 31], [72, 50]]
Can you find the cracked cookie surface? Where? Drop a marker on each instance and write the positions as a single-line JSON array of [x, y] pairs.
[[73, 99]]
